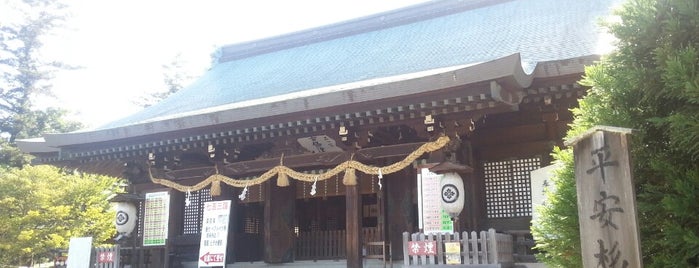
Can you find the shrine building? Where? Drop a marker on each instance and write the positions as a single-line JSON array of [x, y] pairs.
[[318, 136]]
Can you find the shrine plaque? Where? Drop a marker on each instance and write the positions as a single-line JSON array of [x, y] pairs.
[[606, 199]]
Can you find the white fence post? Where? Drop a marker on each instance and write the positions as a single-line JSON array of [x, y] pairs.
[[493, 246], [406, 256]]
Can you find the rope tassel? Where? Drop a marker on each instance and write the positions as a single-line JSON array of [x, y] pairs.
[[350, 177], [216, 188], [282, 179]]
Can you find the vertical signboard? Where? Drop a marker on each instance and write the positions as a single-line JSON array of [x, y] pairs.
[[606, 199], [79, 252], [433, 218], [214, 233], [541, 184], [155, 218]]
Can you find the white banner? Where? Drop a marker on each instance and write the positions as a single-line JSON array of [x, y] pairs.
[[214, 233]]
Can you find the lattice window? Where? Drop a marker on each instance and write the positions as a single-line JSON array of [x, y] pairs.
[[508, 187], [194, 213], [252, 225]]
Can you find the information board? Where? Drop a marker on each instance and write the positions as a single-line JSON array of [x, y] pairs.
[[155, 218], [214, 233], [433, 219], [79, 252], [452, 251]]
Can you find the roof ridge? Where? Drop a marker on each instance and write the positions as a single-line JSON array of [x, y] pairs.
[[383, 20]]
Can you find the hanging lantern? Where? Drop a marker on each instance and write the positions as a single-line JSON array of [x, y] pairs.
[[126, 213], [452, 193]]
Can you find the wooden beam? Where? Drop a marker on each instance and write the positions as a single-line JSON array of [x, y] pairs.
[[321, 159], [305, 160], [525, 149]]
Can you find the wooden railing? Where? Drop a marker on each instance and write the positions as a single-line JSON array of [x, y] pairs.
[[489, 248], [523, 245], [328, 245]]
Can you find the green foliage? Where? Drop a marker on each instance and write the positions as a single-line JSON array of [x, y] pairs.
[[43, 207], [24, 74], [559, 237], [11, 156], [650, 84]]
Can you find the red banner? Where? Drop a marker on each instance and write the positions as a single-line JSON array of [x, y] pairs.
[[105, 257], [422, 248]]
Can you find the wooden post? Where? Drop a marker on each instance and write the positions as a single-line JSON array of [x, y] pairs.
[[279, 222], [606, 199], [400, 209], [354, 225], [176, 223]]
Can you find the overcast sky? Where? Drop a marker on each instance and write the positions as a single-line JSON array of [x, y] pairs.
[[123, 44]]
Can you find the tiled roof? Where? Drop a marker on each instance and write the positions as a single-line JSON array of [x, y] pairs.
[[539, 30]]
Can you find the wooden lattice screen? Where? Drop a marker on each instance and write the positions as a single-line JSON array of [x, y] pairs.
[[194, 213], [508, 187], [252, 225]]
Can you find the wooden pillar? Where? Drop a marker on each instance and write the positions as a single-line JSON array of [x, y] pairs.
[[469, 220], [401, 208], [551, 121], [176, 223], [354, 225], [279, 222]]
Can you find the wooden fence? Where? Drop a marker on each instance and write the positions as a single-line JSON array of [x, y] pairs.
[[489, 249], [328, 245]]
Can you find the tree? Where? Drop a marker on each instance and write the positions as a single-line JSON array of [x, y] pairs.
[[43, 207], [25, 75], [174, 78], [650, 84]]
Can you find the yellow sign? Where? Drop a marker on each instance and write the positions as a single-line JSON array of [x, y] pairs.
[[453, 252]]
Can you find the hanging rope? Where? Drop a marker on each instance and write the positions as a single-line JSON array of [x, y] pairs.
[[282, 172]]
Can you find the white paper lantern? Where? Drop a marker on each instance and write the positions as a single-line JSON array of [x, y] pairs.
[[126, 218], [452, 193]]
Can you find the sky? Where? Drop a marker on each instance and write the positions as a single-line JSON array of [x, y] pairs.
[[121, 46]]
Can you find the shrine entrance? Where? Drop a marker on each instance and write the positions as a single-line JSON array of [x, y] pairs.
[[249, 246], [320, 224]]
